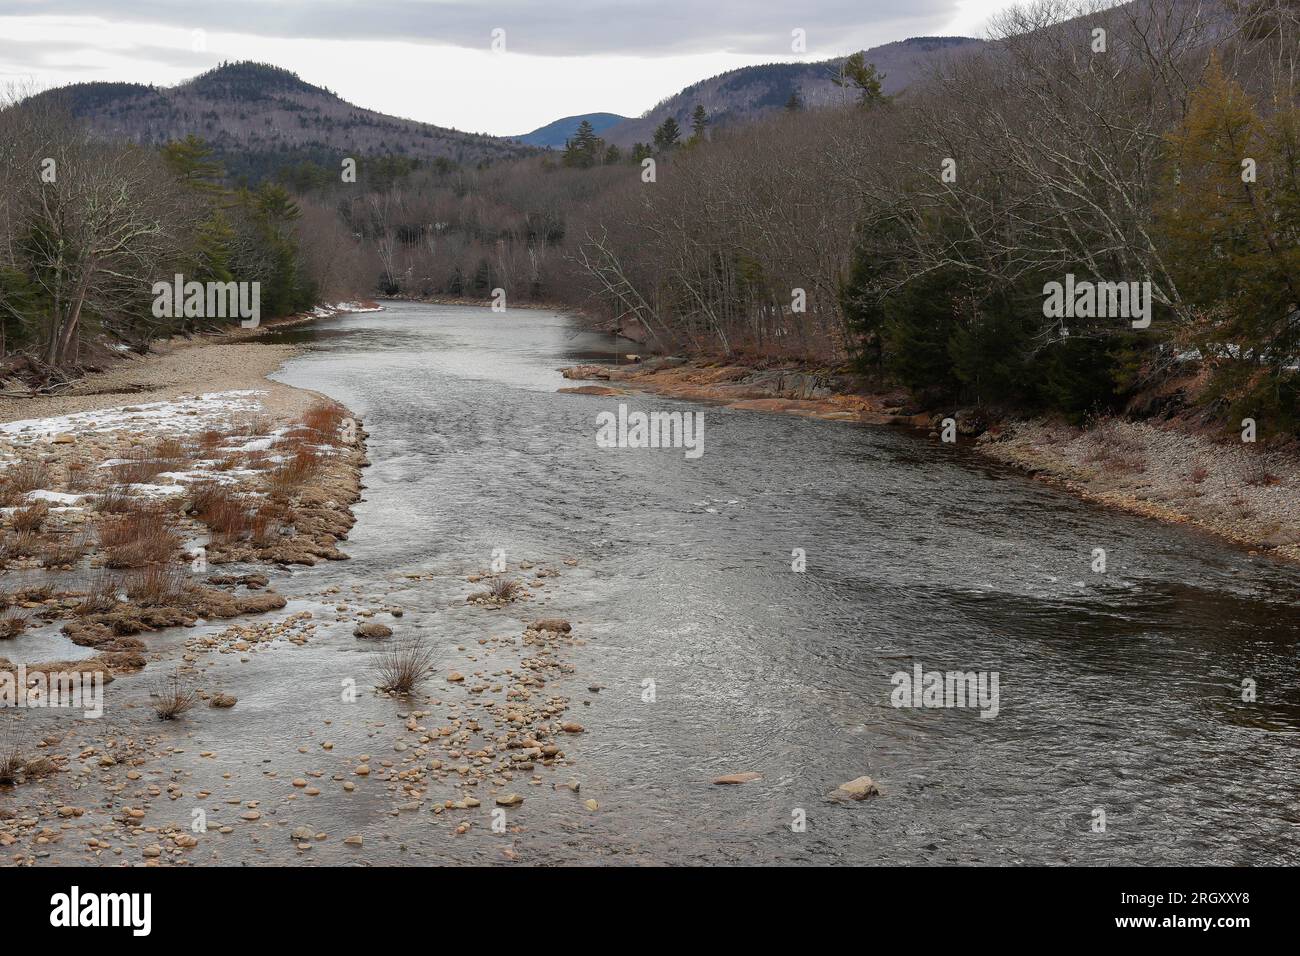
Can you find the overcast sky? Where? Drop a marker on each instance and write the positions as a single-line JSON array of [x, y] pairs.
[[433, 60]]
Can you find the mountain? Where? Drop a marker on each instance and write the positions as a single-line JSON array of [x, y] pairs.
[[750, 91], [554, 135], [259, 118]]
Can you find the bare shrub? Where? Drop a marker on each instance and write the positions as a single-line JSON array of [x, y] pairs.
[[63, 550], [12, 623], [101, 594], [504, 589], [27, 476], [11, 749], [139, 466], [20, 545], [159, 586], [293, 472], [30, 519], [325, 418], [143, 535], [402, 666], [172, 696], [81, 477], [222, 509]]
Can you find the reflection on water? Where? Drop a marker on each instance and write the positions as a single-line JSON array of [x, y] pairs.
[[1119, 691]]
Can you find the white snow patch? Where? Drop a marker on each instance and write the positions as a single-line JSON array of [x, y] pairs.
[[181, 416]]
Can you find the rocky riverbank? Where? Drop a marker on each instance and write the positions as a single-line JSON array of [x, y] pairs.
[[121, 496], [1165, 471]]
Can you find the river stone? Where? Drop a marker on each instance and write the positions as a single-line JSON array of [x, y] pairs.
[[744, 777], [857, 789], [372, 631]]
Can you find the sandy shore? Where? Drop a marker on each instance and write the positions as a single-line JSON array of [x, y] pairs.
[[1234, 490], [177, 367]]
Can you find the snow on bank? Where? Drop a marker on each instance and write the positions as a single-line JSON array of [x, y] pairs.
[[324, 311], [183, 416]]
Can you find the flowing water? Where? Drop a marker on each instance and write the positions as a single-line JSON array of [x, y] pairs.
[[1118, 692]]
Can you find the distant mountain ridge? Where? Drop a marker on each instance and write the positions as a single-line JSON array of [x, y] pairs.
[[259, 117], [554, 135], [746, 93]]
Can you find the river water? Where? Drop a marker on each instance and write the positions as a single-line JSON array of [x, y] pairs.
[[1118, 692]]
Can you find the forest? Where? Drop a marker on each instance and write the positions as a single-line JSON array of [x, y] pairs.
[[910, 238]]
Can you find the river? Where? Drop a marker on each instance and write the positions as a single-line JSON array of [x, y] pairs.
[[1119, 692]]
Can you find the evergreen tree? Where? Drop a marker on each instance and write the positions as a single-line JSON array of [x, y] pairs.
[[699, 122], [858, 75], [190, 159], [668, 135], [1231, 218], [586, 149]]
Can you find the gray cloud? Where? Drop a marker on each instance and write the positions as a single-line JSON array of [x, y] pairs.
[[18, 56], [558, 28]]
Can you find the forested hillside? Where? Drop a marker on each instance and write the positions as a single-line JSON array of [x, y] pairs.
[[911, 233], [258, 118]]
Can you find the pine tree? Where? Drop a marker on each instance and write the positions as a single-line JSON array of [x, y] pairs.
[[1230, 215], [189, 159], [858, 75], [668, 135], [699, 122], [586, 149]]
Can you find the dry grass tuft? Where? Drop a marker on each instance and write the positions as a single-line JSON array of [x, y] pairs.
[[138, 537], [27, 476], [172, 696], [142, 465], [116, 500], [64, 550], [20, 545], [159, 586], [292, 473], [222, 509], [101, 594], [11, 750], [402, 666], [12, 623], [504, 589], [326, 419], [29, 520]]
